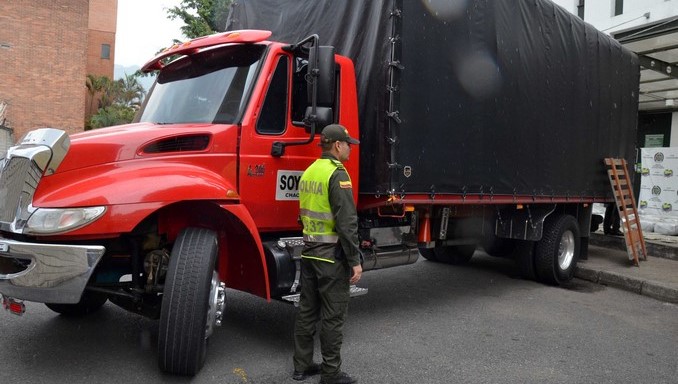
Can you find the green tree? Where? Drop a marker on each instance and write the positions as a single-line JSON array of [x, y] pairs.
[[119, 100], [115, 114], [201, 17], [109, 92], [130, 92], [95, 85]]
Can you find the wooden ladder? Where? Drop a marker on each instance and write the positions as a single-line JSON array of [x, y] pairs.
[[626, 205]]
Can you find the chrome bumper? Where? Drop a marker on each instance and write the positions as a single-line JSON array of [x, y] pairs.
[[46, 273]]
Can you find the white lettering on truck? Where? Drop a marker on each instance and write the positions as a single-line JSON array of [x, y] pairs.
[[287, 186]]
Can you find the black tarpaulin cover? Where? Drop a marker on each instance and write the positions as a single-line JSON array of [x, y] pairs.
[[473, 97]]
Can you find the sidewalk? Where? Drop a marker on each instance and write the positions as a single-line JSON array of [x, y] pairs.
[[608, 264]]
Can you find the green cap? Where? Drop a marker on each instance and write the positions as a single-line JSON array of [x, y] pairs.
[[336, 132]]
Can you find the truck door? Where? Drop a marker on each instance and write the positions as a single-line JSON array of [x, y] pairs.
[[269, 185]]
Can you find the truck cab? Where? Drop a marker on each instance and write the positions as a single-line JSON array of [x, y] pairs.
[[260, 91]]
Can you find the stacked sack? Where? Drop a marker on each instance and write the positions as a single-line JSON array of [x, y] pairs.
[[666, 226], [663, 225]]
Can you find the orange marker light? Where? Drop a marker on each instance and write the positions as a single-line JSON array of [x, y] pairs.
[[425, 229]]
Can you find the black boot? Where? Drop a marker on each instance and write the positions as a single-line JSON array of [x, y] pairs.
[[340, 378], [314, 369]]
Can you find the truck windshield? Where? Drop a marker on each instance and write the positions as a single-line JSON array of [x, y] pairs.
[[207, 87]]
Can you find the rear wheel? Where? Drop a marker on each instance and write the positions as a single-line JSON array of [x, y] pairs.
[[192, 302], [455, 254], [499, 247], [89, 303], [556, 254], [452, 254], [428, 254]]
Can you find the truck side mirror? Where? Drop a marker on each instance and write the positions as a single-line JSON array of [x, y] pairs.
[[321, 60], [321, 79], [323, 116]]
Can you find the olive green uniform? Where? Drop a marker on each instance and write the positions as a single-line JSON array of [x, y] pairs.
[[325, 272]]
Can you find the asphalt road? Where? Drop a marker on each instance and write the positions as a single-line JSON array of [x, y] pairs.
[[424, 323]]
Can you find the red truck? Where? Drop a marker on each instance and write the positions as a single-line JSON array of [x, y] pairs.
[[476, 130]]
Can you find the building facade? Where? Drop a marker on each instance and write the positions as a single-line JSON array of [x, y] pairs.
[[47, 48], [649, 28], [101, 29]]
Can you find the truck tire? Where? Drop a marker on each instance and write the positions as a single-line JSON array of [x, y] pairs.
[[452, 254], [455, 254], [499, 247], [182, 335], [89, 303], [428, 254], [556, 254]]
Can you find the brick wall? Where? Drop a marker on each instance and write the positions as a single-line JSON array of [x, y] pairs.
[[102, 15], [42, 66], [95, 63]]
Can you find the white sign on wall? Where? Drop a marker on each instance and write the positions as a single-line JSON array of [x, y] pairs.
[[659, 182]]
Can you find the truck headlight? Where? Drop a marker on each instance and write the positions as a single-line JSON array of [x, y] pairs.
[[57, 220]]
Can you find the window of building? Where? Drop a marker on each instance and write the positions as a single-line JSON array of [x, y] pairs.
[[106, 51], [618, 7], [273, 118], [580, 9]]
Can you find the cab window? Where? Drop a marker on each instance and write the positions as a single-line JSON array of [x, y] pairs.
[[273, 118]]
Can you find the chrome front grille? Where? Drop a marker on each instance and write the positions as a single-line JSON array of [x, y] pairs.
[[18, 182], [38, 153]]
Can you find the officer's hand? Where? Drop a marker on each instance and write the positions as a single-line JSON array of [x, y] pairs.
[[357, 273]]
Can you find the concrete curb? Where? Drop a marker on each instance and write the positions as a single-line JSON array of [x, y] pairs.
[[660, 291], [649, 288], [620, 281]]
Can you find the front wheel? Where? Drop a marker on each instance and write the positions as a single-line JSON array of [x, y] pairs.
[[192, 302], [556, 254]]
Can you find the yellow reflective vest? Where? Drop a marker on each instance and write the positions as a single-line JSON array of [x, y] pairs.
[[314, 204]]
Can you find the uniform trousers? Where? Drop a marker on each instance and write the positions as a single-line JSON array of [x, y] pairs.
[[324, 297]]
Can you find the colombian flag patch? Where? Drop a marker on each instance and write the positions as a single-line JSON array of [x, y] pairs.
[[345, 184]]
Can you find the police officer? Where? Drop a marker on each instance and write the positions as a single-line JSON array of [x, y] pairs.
[[330, 260]]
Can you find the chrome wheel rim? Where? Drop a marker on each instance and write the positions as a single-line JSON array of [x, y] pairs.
[[216, 305], [566, 250]]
